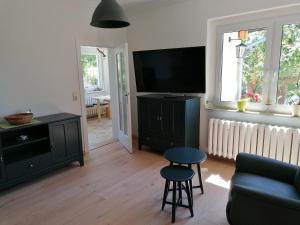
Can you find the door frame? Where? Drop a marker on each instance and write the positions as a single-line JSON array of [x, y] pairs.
[[112, 84]]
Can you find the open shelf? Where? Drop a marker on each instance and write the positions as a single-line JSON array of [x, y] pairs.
[[22, 143], [12, 139], [26, 151]]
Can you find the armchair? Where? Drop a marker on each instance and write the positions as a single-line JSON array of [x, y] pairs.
[[264, 192]]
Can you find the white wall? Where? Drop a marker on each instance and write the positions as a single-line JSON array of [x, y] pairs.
[[38, 58], [181, 24]]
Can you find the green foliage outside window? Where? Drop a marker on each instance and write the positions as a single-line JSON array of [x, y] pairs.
[[288, 82], [253, 66], [289, 72], [90, 70]]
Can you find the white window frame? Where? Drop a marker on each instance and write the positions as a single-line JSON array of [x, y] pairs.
[[273, 28]]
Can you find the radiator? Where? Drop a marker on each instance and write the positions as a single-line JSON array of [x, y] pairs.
[[228, 138]]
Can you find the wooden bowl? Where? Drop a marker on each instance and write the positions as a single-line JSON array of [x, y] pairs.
[[19, 118]]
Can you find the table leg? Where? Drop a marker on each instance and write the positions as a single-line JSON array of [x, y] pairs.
[[200, 178], [108, 112], [98, 110]]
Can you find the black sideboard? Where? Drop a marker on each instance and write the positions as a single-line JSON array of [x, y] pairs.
[[166, 121], [32, 150]]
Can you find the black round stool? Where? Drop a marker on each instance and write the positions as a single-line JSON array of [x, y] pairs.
[[178, 175]]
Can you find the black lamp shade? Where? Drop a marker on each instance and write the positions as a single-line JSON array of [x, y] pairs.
[[109, 14]]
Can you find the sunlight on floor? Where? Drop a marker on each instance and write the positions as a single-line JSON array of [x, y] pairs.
[[216, 179]]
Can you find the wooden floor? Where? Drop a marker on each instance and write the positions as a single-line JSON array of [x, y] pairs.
[[113, 188]]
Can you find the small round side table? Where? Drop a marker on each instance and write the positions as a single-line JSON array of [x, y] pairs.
[[189, 156]]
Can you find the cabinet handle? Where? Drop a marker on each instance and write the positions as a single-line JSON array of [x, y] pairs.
[[31, 165], [160, 118], [1, 159]]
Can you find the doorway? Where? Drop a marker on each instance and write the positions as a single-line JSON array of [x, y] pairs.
[[103, 71], [97, 99]]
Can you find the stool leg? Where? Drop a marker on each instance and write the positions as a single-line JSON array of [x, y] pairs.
[[167, 185], [189, 198], [200, 178], [180, 192], [174, 202], [191, 191]]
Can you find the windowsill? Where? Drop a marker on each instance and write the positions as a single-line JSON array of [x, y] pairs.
[[95, 92], [265, 113]]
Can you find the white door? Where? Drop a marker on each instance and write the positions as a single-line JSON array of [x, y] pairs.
[[124, 133]]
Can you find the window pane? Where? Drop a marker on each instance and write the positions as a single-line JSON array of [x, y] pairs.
[[91, 73], [242, 76], [288, 80], [229, 68]]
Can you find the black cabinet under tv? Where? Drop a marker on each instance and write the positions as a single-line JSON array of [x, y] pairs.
[[166, 121], [38, 148]]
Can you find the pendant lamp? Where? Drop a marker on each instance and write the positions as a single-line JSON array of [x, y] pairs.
[[109, 14]]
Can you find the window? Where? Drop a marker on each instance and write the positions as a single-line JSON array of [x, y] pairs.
[[289, 70], [242, 77], [92, 67], [261, 62]]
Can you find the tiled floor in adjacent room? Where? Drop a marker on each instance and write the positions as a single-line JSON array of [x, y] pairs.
[[99, 132]]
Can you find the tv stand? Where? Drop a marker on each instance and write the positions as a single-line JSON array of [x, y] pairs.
[[166, 121], [35, 149]]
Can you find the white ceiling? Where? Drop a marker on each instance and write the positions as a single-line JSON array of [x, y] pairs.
[[135, 2], [127, 2], [132, 4]]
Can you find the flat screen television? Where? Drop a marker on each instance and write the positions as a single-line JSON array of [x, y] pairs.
[[178, 70]]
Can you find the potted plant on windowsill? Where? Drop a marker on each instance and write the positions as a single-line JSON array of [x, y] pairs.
[[296, 108], [294, 101], [242, 103]]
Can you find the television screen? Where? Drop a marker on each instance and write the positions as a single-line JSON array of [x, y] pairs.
[[179, 70]]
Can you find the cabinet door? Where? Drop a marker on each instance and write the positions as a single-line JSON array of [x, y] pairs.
[[155, 108], [167, 118], [73, 143], [58, 141], [178, 120], [144, 117], [2, 177]]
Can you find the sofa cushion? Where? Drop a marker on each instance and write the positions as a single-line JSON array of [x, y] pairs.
[[267, 185], [297, 181]]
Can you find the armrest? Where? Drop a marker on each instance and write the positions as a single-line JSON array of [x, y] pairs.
[[247, 163], [289, 203]]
